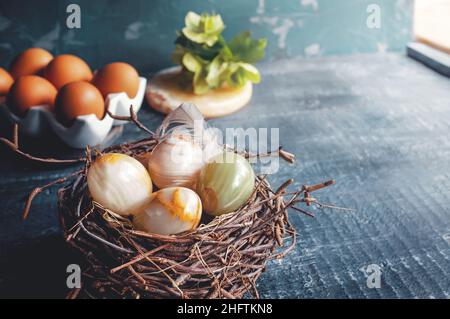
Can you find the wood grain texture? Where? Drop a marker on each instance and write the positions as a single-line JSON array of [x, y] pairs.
[[431, 23], [378, 124]]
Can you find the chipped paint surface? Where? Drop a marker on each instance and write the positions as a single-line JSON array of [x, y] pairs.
[[48, 40], [282, 31], [134, 31], [322, 27], [4, 23], [261, 7], [312, 3], [313, 50], [143, 32], [382, 47]]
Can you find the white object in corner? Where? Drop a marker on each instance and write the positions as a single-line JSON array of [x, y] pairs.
[[87, 129], [120, 102]]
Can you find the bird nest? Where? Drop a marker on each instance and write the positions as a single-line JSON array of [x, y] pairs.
[[222, 258]]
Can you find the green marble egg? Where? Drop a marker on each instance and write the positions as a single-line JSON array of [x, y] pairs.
[[225, 184]]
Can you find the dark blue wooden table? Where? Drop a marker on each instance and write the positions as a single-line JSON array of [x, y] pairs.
[[378, 124]]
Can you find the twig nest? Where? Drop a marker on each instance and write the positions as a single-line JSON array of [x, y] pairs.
[[161, 251], [220, 259]]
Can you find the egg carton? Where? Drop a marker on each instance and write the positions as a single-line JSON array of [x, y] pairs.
[[86, 129]]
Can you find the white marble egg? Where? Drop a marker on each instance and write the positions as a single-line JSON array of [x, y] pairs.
[[120, 183], [171, 211]]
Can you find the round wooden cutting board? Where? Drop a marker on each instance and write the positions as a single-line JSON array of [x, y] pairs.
[[164, 95]]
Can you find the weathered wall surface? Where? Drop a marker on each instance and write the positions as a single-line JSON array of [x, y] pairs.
[[142, 32]]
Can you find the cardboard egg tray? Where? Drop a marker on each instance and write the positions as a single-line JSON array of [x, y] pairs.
[[87, 129]]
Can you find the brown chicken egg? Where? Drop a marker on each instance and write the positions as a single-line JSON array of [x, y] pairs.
[[67, 68], [117, 77], [6, 81], [30, 62], [29, 91], [76, 99]]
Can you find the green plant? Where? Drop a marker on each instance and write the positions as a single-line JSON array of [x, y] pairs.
[[209, 60]]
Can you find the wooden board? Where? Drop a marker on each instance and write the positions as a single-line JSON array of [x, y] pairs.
[[378, 124], [165, 94], [432, 23], [436, 59]]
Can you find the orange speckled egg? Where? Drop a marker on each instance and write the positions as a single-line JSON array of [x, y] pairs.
[[117, 77], [76, 99], [30, 62], [6, 81], [67, 68], [29, 91]]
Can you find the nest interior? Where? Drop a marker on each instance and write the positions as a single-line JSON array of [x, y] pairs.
[[220, 259]]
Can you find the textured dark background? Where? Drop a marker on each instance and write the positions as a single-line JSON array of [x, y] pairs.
[[142, 32], [378, 124]]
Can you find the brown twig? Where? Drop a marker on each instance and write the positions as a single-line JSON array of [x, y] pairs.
[[312, 188], [38, 190], [288, 157], [303, 211], [14, 147], [73, 294], [16, 135], [283, 186], [132, 118]]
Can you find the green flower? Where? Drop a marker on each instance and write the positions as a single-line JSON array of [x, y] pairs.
[[210, 62], [203, 28], [197, 66]]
